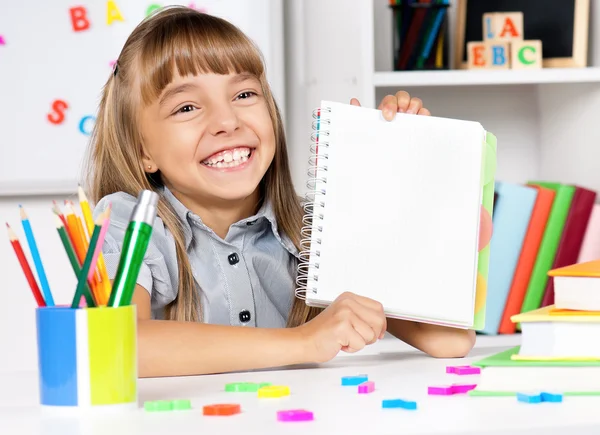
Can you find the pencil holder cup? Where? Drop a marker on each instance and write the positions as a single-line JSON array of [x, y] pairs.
[[87, 358], [420, 35]]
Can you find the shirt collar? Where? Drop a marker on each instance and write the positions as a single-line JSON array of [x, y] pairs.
[[266, 211]]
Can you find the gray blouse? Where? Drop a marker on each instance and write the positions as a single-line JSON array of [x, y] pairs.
[[247, 279]]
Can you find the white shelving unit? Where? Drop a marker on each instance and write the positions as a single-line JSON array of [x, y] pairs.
[[545, 120], [486, 78]]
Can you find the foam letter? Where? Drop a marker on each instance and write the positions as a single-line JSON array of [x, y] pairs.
[[2, 42], [152, 8], [112, 12], [82, 123], [57, 116], [476, 54], [79, 18]]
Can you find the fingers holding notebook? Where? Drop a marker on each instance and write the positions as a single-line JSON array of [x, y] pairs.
[[400, 102], [349, 324]]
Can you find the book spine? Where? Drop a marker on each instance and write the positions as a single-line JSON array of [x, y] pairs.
[[314, 206]]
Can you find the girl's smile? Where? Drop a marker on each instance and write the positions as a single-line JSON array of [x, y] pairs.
[[230, 159]]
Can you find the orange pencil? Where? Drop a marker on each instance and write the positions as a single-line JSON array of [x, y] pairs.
[[104, 281], [78, 238]]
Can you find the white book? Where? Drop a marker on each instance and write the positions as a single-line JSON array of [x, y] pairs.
[[393, 214]]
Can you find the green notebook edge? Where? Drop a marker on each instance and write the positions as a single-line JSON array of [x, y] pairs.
[[490, 147], [549, 244]]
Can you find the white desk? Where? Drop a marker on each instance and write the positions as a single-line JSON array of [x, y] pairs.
[[397, 370]]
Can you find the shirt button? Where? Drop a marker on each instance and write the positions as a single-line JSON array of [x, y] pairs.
[[245, 316], [233, 258]]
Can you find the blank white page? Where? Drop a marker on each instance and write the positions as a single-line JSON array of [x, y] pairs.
[[400, 222]]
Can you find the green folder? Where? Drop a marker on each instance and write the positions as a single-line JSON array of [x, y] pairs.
[[487, 202], [503, 359], [549, 244]]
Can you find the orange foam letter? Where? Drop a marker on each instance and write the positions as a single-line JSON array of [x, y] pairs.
[[57, 116], [79, 18]]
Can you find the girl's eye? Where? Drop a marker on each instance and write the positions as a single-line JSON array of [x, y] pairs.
[[246, 95], [186, 108]]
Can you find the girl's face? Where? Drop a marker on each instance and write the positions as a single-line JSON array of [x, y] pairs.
[[210, 135]]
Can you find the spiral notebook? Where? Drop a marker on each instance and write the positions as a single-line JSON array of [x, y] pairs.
[[393, 213]]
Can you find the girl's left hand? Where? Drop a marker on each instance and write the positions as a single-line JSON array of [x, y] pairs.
[[401, 102]]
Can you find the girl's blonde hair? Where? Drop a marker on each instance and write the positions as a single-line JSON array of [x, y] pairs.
[[182, 40]]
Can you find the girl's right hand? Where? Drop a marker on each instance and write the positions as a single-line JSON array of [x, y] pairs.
[[349, 324]]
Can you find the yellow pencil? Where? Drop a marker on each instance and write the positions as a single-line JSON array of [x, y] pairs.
[[89, 221]]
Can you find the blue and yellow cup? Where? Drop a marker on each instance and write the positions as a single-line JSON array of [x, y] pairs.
[[87, 357]]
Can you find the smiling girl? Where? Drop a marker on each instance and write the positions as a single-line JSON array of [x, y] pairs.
[[189, 114]]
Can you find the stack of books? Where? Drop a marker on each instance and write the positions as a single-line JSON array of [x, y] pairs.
[[560, 350], [537, 227]]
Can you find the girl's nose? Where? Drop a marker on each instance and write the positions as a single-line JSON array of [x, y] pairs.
[[223, 120]]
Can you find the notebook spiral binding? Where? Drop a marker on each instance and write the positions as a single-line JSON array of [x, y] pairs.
[[313, 206]]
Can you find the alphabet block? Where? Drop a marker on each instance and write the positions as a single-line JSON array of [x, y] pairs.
[[477, 55], [526, 54], [503, 26], [498, 54]]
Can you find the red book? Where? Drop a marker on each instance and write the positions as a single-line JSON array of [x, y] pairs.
[[572, 236]]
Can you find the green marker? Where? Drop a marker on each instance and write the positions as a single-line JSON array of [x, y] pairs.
[[135, 244]]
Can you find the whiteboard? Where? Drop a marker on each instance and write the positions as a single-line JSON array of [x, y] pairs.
[[45, 63]]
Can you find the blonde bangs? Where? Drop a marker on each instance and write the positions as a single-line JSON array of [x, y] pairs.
[[192, 44]]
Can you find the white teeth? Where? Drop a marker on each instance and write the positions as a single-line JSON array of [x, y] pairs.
[[229, 159]]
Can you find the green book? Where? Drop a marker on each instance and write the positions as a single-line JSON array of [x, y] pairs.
[[548, 245], [503, 376]]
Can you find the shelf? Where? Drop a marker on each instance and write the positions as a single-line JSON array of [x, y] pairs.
[[486, 77]]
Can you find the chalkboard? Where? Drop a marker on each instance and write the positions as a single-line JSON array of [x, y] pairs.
[[55, 56], [561, 25]]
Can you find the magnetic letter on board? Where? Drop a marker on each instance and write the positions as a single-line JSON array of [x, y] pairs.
[[477, 55], [526, 54], [509, 26], [79, 19], [152, 8], [2, 42], [84, 121], [498, 55], [112, 12], [57, 115]]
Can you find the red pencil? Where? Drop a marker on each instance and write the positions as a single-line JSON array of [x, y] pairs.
[[14, 240]]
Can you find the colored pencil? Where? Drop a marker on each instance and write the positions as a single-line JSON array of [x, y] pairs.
[[37, 260], [78, 238], [89, 220], [60, 227], [14, 240], [57, 212], [87, 264], [101, 295]]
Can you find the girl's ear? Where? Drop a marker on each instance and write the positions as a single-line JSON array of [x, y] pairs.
[[149, 165]]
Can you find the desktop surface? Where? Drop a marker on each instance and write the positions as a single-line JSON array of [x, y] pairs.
[[397, 370]]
